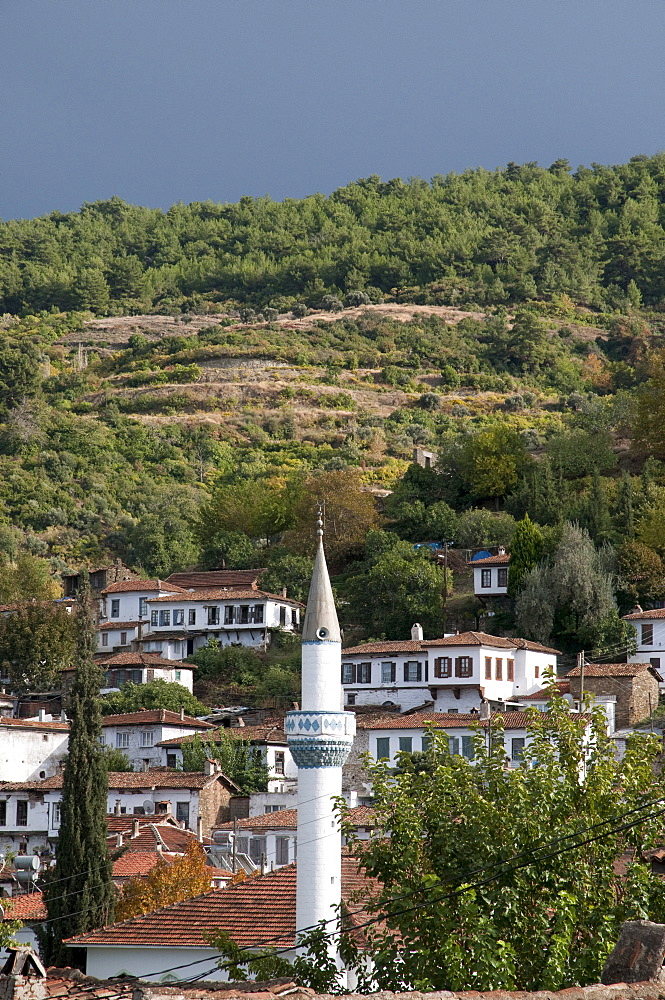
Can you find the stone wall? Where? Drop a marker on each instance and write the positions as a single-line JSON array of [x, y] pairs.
[[354, 774], [632, 694]]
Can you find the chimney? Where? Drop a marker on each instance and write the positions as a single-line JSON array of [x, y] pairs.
[[117, 807], [42, 715], [283, 591], [210, 767], [502, 550], [484, 709], [182, 714], [160, 850], [162, 715], [136, 828], [241, 722], [417, 632], [139, 631], [118, 840], [199, 829], [353, 799]]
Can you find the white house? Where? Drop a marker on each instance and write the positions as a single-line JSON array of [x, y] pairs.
[[390, 735], [31, 748], [490, 575], [456, 672], [141, 668], [139, 735], [123, 611], [182, 623], [271, 740], [650, 631]]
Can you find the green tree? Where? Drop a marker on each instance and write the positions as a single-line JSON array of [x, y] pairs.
[[596, 511], [641, 575], [479, 528], [154, 694], [473, 919], [239, 760], [526, 549], [20, 372], [491, 460], [290, 571], [92, 291], [258, 508], [25, 577], [79, 893], [624, 509], [37, 641]]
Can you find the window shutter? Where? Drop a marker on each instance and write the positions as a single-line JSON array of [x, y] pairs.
[[426, 670], [437, 666], [458, 666], [406, 671], [392, 673]]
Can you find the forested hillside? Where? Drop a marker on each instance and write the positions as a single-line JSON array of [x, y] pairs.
[[180, 388]]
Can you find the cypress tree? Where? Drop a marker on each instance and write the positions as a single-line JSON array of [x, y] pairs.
[[79, 895], [624, 514], [597, 514], [525, 551]]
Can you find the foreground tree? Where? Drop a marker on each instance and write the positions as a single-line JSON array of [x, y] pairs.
[[168, 882], [37, 641], [79, 894]]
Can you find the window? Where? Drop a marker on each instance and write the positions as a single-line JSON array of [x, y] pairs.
[[443, 666], [105, 638], [154, 616], [425, 743], [387, 673], [536, 671], [244, 614], [164, 617], [655, 662], [178, 675], [282, 850], [463, 666], [510, 670], [647, 635], [502, 577], [55, 815], [122, 740], [192, 616], [115, 608], [3, 813], [135, 676], [242, 845], [406, 744], [294, 617], [279, 761], [178, 616], [257, 614], [383, 748], [488, 668], [171, 760], [213, 616], [467, 747], [272, 809], [229, 614], [22, 812], [486, 578], [348, 673], [182, 812], [257, 849], [517, 748], [147, 738], [143, 607], [499, 669], [282, 615], [453, 744], [351, 698], [364, 673], [412, 670], [123, 638]]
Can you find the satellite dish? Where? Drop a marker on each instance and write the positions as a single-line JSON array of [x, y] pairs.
[[148, 807]]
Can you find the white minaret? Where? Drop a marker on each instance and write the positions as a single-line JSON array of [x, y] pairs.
[[320, 736]]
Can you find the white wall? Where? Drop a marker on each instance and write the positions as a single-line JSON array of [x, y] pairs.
[[24, 753], [137, 753], [104, 962], [259, 800], [416, 735], [494, 588]]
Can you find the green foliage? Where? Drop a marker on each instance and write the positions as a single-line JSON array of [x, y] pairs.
[[479, 528], [154, 694], [37, 641], [238, 759], [79, 894], [526, 549]]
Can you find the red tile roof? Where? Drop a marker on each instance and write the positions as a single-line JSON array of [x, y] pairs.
[[500, 560], [154, 778], [542, 694], [262, 909], [140, 660], [393, 646], [611, 670], [151, 715], [30, 906], [34, 724], [273, 733], [444, 720], [221, 578], [224, 595], [460, 639], [138, 863], [173, 839], [138, 586], [107, 626], [636, 616], [287, 819], [123, 823]]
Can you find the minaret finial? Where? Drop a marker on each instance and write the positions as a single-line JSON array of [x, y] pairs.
[[319, 520]]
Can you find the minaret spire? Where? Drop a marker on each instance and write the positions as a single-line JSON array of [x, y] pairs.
[[321, 623]]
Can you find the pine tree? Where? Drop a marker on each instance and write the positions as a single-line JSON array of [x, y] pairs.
[[525, 550], [79, 895]]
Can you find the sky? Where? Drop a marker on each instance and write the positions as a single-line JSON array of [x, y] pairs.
[[160, 101]]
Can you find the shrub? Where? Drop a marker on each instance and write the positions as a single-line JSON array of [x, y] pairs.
[[331, 303]]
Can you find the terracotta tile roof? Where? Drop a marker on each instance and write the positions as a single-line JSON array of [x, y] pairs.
[[636, 616], [541, 695], [273, 733], [140, 660], [33, 724], [173, 839], [461, 639], [154, 778], [30, 906], [224, 595], [501, 560], [287, 819], [151, 715], [611, 670], [107, 626], [262, 909], [138, 586], [221, 578], [393, 646], [63, 984], [444, 720], [123, 822], [138, 863]]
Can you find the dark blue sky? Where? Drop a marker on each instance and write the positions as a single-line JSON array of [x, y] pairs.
[[160, 101]]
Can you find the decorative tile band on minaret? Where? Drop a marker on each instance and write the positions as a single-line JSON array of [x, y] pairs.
[[320, 736]]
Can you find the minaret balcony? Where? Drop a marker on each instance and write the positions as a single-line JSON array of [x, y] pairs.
[[320, 739]]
